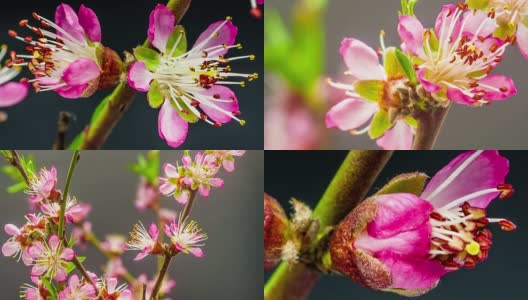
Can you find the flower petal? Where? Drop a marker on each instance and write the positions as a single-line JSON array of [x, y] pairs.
[[428, 85], [139, 77], [167, 188], [61, 275], [443, 23], [198, 252], [412, 273], [153, 231], [411, 33], [90, 23], [400, 137], [12, 93], [170, 170], [473, 21], [10, 248], [361, 60], [397, 213], [11, 229], [67, 19], [216, 182], [53, 241], [471, 172], [227, 101], [350, 114], [522, 40], [81, 71], [72, 92], [171, 127], [497, 87], [161, 26], [67, 254], [204, 190], [226, 34]]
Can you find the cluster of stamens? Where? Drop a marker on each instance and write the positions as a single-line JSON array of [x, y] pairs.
[[459, 235]]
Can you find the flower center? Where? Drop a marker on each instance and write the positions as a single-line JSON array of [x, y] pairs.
[[509, 11]]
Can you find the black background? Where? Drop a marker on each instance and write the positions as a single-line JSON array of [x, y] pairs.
[[32, 124], [305, 175]]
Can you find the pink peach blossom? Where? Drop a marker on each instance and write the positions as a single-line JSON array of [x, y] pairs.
[[50, 259]]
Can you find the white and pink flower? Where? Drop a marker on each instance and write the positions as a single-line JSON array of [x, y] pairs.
[[74, 213], [200, 173], [78, 289], [455, 59], [114, 244], [145, 241], [22, 238], [66, 61], [226, 158], [172, 184], [115, 268], [185, 237], [111, 291], [188, 85], [146, 195], [50, 259], [42, 186], [11, 93], [408, 242]]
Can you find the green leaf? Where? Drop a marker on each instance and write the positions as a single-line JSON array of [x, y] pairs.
[[148, 166], [413, 183], [185, 111], [277, 41], [77, 142], [154, 96], [406, 65], [408, 7], [50, 287], [148, 56], [393, 68], [477, 4], [372, 90], [17, 187], [380, 124], [181, 47]]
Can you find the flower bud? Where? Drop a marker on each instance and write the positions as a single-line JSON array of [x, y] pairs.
[[275, 231], [112, 67]]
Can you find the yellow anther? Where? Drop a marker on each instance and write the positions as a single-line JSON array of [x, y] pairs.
[[228, 18], [472, 48], [4, 47], [242, 122], [382, 32], [473, 248], [36, 55], [506, 7], [252, 57]]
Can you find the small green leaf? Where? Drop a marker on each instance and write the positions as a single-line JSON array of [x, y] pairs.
[[372, 90], [185, 112], [505, 31], [411, 121], [478, 4], [277, 41], [148, 56], [380, 124], [178, 35], [406, 66], [17, 187], [408, 7], [148, 166], [50, 287], [154, 96], [393, 68], [413, 183]]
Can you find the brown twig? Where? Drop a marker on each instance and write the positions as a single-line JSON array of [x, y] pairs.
[[14, 160], [62, 127], [429, 125], [161, 275]]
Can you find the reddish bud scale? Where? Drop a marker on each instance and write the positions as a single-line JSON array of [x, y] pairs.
[[276, 226], [112, 67]]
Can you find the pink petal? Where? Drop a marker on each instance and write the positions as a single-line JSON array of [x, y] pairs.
[[225, 35], [444, 21], [38, 270], [222, 93], [522, 39], [26, 258], [361, 60], [139, 77], [397, 213], [183, 197], [171, 127], [12, 93], [72, 91], [61, 275], [53, 241], [67, 19], [229, 165], [10, 248], [167, 188], [90, 23], [416, 242], [170, 171], [428, 85], [153, 231], [473, 20], [485, 171], [350, 114], [111, 284], [412, 273], [196, 252], [11, 229], [140, 256], [400, 137], [411, 33], [216, 182], [81, 71], [204, 190], [497, 87], [161, 26], [458, 96], [67, 254], [73, 282]]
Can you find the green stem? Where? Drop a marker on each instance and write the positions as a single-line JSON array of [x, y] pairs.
[[161, 275], [347, 189], [71, 169], [98, 131], [429, 126]]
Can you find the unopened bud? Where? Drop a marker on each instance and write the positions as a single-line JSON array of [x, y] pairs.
[[276, 228]]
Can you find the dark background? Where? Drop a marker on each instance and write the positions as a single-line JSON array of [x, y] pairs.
[[32, 124], [231, 268], [305, 175]]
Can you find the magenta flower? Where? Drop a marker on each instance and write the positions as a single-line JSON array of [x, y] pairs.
[[11, 93], [172, 184], [457, 57], [68, 61], [50, 259], [31, 292], [146, 195], [255, 10], [78, 289], [200, 173], [75, 212], [42, 186], [226, 158], [371, 97], [185, 237], [145, 241], [111, 291], [405, 243], [114, 244], [191, 85]]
